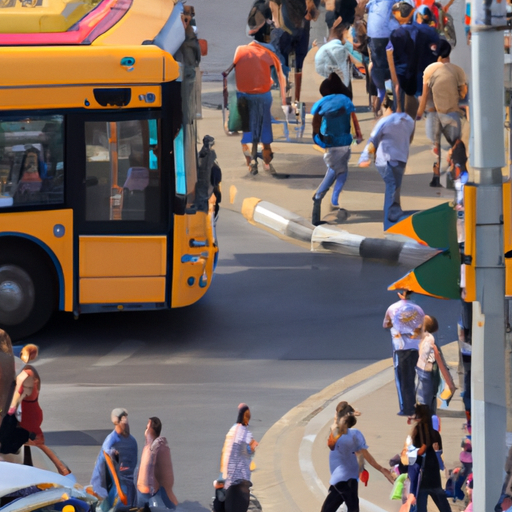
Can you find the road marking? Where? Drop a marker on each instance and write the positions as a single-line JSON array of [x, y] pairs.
[[51, 354], [120, 353], [307, 467]]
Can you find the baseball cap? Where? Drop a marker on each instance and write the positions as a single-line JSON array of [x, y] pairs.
[[425, 13], [117, 414]]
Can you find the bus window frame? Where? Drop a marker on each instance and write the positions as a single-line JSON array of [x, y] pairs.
[[16, 208], [75, 137]]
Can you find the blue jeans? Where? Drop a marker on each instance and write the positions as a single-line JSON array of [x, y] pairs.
[[260, 118], [392, 175], [425, 392], [380, 69], [143, 498], [336, 160], [405, 373]]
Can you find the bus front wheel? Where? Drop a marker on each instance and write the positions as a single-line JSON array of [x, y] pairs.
[[27, 294]]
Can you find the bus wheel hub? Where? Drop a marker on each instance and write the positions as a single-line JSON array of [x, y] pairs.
[[16, 294]]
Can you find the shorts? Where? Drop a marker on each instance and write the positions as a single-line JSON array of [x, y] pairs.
[[260, 118]]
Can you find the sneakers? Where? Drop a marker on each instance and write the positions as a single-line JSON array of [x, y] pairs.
[[253, 168], [395, 212], [269, 169], [436, 182]]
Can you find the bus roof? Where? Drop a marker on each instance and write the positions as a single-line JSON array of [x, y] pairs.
[[55, 22]]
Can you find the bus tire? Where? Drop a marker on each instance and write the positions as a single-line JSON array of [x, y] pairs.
[[27, 292]]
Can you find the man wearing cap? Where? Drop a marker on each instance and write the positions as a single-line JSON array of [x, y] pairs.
[[255, 64], [444, 85], [122, 447], [404, 318]]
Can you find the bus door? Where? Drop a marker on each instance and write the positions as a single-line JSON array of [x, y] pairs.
[[122, 232]]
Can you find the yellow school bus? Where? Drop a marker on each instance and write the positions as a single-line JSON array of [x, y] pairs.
[[103, 199]]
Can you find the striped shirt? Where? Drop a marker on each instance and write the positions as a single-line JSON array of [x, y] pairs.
[[236, 458]]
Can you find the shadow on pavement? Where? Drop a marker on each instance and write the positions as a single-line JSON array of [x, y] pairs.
[[76, 437], [192, 506]]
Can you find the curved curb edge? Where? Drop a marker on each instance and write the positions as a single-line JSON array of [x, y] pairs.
[[287, 479]]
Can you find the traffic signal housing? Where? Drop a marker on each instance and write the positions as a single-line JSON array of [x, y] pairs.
[[469, 256], [440, 275], [507, 236]]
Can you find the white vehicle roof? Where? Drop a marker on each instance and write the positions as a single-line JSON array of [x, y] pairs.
[[14, 477]]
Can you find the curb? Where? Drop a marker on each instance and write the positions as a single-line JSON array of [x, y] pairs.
[[332, 239], [288, 475]]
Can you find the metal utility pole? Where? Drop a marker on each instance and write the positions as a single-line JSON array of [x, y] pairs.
[[488, 404]]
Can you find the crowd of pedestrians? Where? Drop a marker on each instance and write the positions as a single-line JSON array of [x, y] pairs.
[[403, 48], [420, 374]]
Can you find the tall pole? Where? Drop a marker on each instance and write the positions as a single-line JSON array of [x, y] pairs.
[[488, 403]]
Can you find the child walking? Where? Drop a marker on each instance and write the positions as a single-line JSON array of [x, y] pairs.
[[429, 357]]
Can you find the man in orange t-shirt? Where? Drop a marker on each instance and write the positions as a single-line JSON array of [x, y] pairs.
[[253, 70]]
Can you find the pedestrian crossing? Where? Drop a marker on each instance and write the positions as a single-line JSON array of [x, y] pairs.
[[117, 355]]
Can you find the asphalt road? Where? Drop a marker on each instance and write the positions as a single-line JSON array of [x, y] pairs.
[[279, 324]]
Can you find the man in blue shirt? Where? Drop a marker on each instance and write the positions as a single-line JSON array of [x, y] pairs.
[[389, 142], [380, 24], [331, 131], [123, 447]]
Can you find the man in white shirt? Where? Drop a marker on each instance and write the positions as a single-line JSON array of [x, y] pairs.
[[405, 321]]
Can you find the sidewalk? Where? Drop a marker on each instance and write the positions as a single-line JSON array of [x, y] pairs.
[[292, 471], [363, 195], [292, 460]]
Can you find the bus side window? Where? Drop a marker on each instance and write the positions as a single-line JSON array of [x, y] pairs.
[[97, 172], [123, 171], [31, 160]]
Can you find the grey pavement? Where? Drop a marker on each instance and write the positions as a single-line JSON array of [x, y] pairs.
[[363, 195], [292, 460], [292, 471]]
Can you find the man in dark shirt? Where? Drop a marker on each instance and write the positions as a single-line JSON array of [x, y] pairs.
[[410, 51]]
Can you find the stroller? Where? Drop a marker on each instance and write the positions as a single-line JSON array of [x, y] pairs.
[[220, 496]]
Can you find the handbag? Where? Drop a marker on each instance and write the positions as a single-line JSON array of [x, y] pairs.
[[203, 45]]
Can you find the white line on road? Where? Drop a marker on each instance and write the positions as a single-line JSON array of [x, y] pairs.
[[320, 420], [120, 353]]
